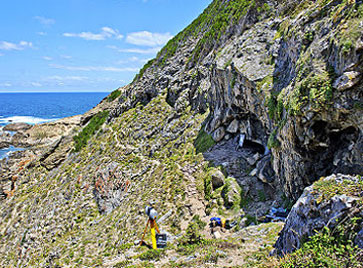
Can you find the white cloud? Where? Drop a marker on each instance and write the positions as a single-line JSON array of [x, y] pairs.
[[86, 36], [42, 33], [65, 78], [12, 46], [67, 57], [106, 32], [44, 21], [93, 68], [109, 32], [132, 60], [149, 39], [47, 58], [6, 85], [153, 50], [35, 84]]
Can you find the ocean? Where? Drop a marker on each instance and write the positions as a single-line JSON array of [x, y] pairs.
[[35, 108]]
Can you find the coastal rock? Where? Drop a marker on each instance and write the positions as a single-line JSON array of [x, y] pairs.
[[5, 139], [57, 153], [17, 127], [20, 139], [4, 144]]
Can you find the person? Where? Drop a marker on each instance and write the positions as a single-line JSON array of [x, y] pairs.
[[222, 222]]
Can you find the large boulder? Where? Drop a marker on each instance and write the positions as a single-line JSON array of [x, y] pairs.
[[218, 134], [217, 179], [328, 202], [17, 127]]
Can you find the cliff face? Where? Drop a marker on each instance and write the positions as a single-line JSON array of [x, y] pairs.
[[281, 77], [287, 75]]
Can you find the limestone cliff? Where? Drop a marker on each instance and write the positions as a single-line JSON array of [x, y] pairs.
[[251, 103], [286, 74]]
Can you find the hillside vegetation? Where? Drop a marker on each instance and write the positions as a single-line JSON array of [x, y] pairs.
[[250, 107]]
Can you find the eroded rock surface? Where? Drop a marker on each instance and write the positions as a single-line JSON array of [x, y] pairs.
[[330, 202]]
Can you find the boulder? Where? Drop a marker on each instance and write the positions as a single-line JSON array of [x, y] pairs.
[[5, 140], [217, 179], [4, 144], [233, 126], [253, 159], [314, 210], [218, 134], [17, 127]]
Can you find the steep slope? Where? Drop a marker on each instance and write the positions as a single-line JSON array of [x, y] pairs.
[[288, 72], [284, 75]]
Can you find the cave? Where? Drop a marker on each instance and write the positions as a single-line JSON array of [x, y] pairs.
[[328, 145], [253, 146]]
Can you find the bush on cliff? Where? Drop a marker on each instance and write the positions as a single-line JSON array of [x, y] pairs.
[[88, 131], [327, 249], [114, 95]]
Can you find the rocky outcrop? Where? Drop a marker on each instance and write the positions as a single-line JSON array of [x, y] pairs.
[[255, 80], [286, 77], [5, 139], [17, 127], [330, 202]]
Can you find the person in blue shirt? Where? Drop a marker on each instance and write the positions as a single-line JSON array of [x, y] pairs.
[[222, 222]]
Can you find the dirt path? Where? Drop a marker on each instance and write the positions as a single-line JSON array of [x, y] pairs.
[[194, 200]]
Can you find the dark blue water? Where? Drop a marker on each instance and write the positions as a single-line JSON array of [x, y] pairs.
[[35, 108]]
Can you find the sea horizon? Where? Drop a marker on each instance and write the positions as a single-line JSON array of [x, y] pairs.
[[42, 107]]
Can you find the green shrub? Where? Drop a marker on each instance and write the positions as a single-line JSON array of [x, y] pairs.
[[273, 141], [143, 69], [326, 249], [114, 95], [192, 234], [201, 224], [347, 46], [151, 254], [251, 219], [316, 90], [203, 142], [89, 130], [309, 36]]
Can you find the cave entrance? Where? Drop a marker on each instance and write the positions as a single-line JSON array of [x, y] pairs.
[[254, 146]]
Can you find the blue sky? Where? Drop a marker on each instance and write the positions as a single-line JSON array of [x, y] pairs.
[[84, 45]]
